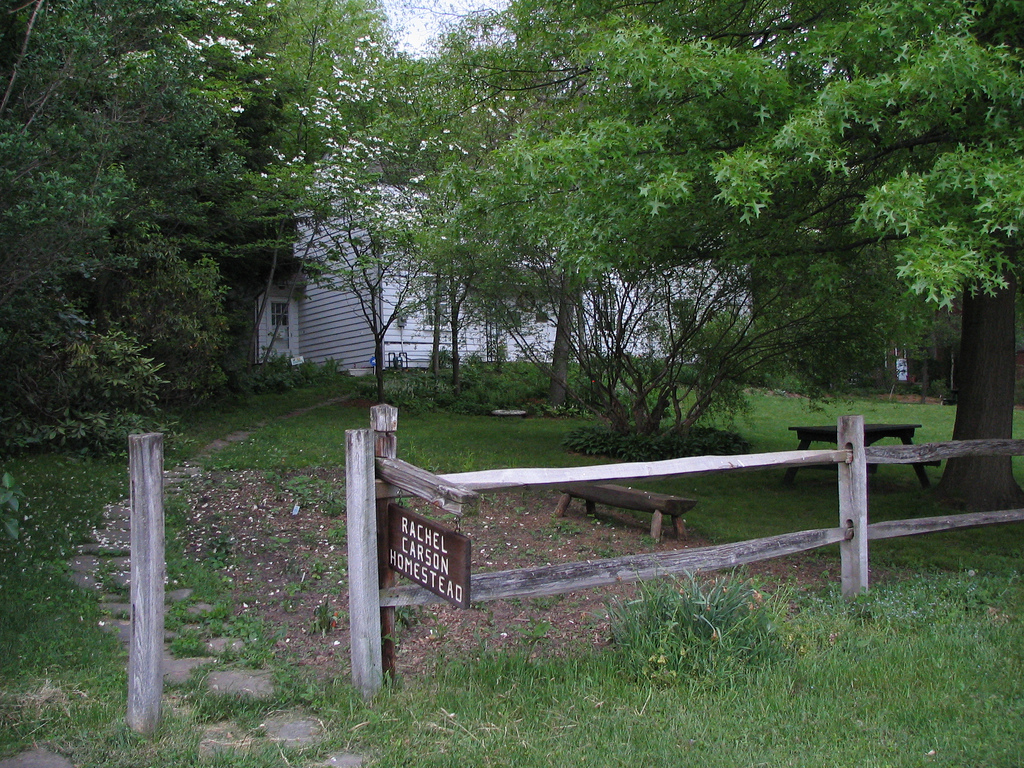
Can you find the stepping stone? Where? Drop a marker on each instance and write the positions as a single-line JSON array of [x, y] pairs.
[[117, 609], [122, 578], [123, 629], [178, 671], [92, 548], [290, 731], [223, 737], [86, 581], [254, 683], [199, 609], [117, 515], [84, 564], [344, 760], [36, 758], [177, 595], [113, 541], [220, 645]]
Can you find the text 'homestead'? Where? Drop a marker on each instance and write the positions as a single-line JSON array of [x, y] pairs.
[[432, 556]]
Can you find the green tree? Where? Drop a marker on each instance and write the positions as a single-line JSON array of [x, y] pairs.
[[625, 114], [914, 133], [161, 145]]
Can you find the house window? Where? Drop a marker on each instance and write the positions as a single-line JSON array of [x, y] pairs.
[[279, 314]]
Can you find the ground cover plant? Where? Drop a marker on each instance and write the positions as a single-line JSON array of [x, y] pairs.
[[924, 670]]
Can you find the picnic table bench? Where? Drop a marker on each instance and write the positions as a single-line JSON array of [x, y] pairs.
[[872, 434], [658, 504]]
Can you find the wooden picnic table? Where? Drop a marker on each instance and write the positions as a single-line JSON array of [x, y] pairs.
[[872, 434]]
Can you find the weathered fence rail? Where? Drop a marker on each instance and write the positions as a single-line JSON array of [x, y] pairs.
[[924, 452], [543, 477], [892, 529], [453, 492], [569, 577]]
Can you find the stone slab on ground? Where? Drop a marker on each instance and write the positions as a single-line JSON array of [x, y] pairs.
[[344, 760], [252, 682], [36, 758], [178, 671], [219, 645], [85, 564], [117, 512], [122, 578], [223, 737], [123, 629], [113, 541], [116, 609], [293, 730], [85, 581], [177, 595]]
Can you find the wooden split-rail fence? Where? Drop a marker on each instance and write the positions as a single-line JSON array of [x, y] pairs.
[[375, 476]]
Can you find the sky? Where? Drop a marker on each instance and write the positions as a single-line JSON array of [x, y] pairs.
[[418, 21]]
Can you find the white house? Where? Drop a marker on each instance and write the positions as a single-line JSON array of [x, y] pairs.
[[320, 321], [324, 319]]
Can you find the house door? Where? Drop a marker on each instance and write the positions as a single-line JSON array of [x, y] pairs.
[[281, 333]]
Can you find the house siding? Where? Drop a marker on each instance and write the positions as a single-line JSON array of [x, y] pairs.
[[329, 323], [332, 328]]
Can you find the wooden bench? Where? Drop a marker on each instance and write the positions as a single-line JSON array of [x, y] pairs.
[[658, 504]]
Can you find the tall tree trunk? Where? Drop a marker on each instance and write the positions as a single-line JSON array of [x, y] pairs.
[[435, 347], [560, 354], [378, 368], [985, 375], [260, 313], [455, 326]]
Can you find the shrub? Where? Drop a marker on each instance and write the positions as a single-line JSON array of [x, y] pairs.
[[279, 375], [679, 628], [599, 440], [11, 497], [174, 307], [85, 393], [485, 387]]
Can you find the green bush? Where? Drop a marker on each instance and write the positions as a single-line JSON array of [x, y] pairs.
[[174, 307], [279, 375], [485, 387], [85, 393], [599, 440], [11, 497], [679, 628]]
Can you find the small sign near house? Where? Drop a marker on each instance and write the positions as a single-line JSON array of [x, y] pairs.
[[436, 558]]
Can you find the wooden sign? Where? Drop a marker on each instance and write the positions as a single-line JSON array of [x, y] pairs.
[[434, 557]]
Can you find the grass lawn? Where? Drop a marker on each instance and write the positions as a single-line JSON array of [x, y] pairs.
[[926, 670]]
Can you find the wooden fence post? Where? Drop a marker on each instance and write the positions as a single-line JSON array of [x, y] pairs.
[[853, 507], [384, 420], [145, 654], [363, 590]]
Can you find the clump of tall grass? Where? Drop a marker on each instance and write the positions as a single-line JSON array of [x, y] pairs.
[[684, 629]]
